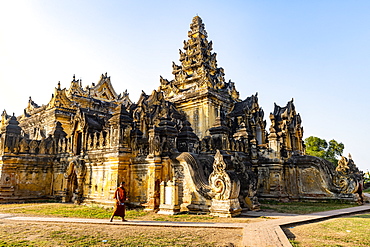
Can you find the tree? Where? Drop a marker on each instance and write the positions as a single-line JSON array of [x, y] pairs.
[[318, 147], [367, 178]]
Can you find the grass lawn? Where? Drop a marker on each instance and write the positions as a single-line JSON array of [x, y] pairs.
[[347, 231], [97, 212], [13, 233], [303, 207]]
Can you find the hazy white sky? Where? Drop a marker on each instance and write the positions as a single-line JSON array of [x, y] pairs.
[[317, 52]]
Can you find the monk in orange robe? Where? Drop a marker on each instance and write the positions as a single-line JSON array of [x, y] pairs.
[[121, 196]]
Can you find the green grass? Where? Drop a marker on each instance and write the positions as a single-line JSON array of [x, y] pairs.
[[58, 210], [98, 212], [367, 190], [303, 207], [64, 237], [92, 211], [348, 231]]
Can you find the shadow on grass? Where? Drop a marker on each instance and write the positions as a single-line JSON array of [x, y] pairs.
[[364, 216]]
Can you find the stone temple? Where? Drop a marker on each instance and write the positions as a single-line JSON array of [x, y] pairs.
[[191, 145]]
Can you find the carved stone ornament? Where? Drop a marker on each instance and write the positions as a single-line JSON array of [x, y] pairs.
[[226, 189]]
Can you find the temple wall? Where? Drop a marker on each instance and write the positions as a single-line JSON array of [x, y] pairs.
[[104, 172], [202, 111], [25, 177], [138, 187], [302, 181]]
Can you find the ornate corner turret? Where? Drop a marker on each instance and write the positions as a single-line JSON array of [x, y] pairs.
[[168, 134], [10, 135], [220, 135], [187, 140], [286, 132]]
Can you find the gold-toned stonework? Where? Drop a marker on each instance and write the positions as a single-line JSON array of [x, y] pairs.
[[191, 145]]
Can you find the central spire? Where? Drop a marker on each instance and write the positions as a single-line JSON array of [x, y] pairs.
[[197, 27], [199, 88], [198, 62], [198, 69]]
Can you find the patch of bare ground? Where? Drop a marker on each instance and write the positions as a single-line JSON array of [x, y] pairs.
[[13, 233]]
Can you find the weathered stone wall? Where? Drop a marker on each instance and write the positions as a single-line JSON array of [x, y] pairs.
[[26, 177], [202, 110], [304, 178]]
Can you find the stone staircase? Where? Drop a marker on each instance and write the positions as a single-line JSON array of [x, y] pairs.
[[6, 192]]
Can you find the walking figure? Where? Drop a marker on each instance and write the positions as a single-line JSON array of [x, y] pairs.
[[119, 208]]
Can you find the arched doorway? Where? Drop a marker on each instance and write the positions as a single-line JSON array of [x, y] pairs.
[[72, 188], [74, 181]]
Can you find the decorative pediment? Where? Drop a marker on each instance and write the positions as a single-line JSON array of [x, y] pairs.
[[79, 121], [76, 88], [156, 98], [4, 119], [124, 99], [104, 89], [60, 99], [31, 106]]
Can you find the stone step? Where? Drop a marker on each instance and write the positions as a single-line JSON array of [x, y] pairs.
[[6, 192], [7, 189]]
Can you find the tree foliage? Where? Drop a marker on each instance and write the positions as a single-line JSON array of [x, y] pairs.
[[367, 177], [318, 147]]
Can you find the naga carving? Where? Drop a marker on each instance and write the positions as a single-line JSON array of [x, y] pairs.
[[222, 185]]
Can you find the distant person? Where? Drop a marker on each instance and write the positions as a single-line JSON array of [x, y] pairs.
[[359, 192], [121, 196]]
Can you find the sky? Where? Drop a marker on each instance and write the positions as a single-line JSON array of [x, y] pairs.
[[317, 52]]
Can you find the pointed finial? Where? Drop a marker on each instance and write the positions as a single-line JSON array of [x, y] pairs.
[[74, 77], [58, 84]]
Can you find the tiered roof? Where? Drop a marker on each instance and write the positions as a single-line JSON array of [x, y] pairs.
[[198, 67]]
